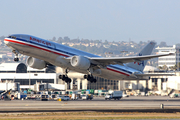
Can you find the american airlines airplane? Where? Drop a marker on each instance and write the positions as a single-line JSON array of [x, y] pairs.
[[42, 53]]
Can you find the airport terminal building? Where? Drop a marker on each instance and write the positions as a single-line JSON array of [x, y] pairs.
[[171, 60], [27, 77]]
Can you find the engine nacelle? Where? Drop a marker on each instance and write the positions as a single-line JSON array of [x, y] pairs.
[[36, 63], [80, 62]]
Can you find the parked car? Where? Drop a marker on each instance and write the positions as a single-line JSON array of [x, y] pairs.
[[125, 95], [65, 98], [83, 97], [87, 97], [44, 97], [59, 96]]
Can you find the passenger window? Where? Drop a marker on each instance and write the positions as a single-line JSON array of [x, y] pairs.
[[17, 36], [24, 37], [53, 46]]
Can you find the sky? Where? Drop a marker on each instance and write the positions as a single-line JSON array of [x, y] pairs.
[[111, 20]]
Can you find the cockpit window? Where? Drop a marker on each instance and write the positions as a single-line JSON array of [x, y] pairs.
[[12, 37]]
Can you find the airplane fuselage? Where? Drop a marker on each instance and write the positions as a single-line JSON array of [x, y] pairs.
[[55, 53]]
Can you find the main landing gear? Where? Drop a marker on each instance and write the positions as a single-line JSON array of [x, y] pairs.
[[90, 78], [65, 78], [16, 59]]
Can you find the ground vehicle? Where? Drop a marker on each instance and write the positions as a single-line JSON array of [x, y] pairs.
[[65, 98], [172, 95], [87, 97], [44, 97], [84, 97], [114, 95], [74, 97], [59, 96], [125, 95]]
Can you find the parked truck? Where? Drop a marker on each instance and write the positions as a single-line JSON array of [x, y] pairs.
[[116, 95], [74, 97]]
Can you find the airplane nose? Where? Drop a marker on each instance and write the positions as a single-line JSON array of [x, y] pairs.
[[6, 42]]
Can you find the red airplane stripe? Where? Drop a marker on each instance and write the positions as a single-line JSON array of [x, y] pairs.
[[36, 47], [118, 71]]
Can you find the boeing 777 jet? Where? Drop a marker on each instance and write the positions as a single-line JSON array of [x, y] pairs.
[[42, 53]]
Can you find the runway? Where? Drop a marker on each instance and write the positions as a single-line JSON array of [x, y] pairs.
[[129, 104]]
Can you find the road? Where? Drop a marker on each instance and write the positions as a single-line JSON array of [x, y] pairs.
[[129, 104]]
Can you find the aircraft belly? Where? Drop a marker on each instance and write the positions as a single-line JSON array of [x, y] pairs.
[[107, 74], [111, 75], [36, 53]]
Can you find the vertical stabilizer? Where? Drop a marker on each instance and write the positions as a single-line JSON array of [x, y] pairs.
[[147, 50]]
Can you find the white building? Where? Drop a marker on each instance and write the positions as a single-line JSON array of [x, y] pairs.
[[26, 76], [171, 60]]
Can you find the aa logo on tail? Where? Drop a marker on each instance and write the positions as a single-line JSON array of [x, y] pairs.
[[140, 63]]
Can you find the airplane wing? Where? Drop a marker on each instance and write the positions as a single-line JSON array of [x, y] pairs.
[[121, 60], [146, 76], [156, 74]]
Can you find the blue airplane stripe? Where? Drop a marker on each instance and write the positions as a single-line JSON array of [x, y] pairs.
[[47, 47], [120, 69]]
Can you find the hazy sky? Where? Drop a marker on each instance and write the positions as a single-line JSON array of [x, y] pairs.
[[112, 20]]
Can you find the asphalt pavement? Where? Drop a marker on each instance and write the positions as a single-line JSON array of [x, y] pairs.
[[128, 104]]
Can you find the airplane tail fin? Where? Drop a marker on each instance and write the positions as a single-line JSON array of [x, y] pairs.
[[147, 50]]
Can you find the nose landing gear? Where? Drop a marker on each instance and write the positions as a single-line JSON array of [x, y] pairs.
[[16, 59]]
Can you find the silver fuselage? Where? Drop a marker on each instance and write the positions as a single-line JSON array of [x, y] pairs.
[[52, 53]]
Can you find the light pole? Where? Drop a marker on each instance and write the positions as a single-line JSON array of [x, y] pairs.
[[29, 80]]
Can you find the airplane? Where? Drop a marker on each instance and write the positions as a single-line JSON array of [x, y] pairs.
[[43, 53]]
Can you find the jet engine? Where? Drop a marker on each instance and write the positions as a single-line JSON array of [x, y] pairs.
[[80, 62], [36, 63]]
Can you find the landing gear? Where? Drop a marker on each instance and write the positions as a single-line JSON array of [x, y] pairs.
[[65, 78], [90, 78], [16, 59]]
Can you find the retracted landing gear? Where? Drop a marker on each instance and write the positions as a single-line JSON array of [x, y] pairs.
[[90, 78], [16, 59]]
